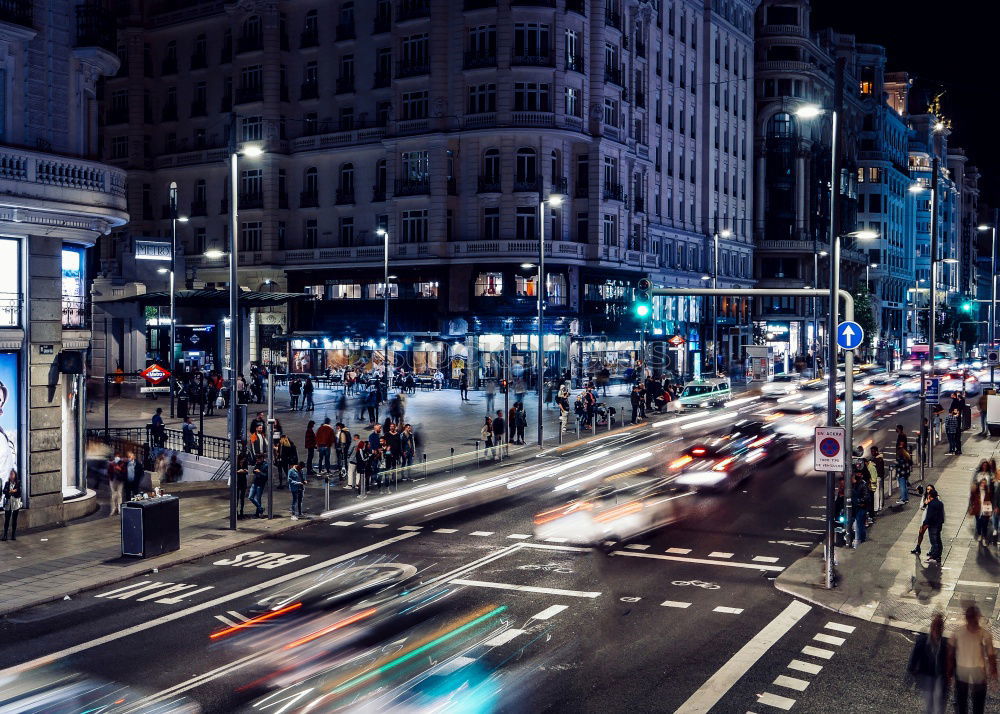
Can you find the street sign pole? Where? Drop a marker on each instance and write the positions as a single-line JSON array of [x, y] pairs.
[[924, 445]]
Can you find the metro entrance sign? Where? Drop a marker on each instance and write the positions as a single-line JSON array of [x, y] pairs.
[[829, 453], [676, 340], [154, 374]]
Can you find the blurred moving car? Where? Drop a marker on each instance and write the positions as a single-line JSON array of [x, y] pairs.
[[719, 464], [712, 392], [782, 385]]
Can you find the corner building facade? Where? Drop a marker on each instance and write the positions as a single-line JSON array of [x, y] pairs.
[[445, 122]]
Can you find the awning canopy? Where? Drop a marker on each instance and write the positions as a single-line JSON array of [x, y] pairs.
[[214, 298]]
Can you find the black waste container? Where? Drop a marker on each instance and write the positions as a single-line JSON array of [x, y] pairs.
[[182, 407], [151, 527], [966, 417]]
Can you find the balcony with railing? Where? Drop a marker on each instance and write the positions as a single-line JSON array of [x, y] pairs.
[[477, 59], [613, 192], [350, 137], [413, 10], [413, 69], [309, 90], [245, 95], [95, 25], [416, 187], [345, 85], [345, 31], [345, 197], [249, 43], [74, 312], [613, 18], [309, 38], [614, 75], [251, 200], [17, 12], [560, 185], [576, 63], [528, 183], [533, 58], [539, 119], [488, 184], [309, 199], [378, 193]]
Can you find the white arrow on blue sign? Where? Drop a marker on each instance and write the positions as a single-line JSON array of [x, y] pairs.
[[849, 335]]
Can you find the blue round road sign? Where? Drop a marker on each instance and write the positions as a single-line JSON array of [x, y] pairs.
[[829, 447], [849, 335]]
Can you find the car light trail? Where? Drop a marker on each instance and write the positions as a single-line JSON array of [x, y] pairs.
[[255, 620], [332, 628]]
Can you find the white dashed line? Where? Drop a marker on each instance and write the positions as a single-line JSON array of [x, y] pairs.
[[377, 525], [526, 588], [482, 534], [410, 528], [717, 554], [519, 536], [773, 700], [679, 551], [729, 610], [554, 540], [837, 627], [342, 523], [807, 667], [817, 652], [674, 603], [446, 530], [638, 546], [549, 612], [504, 637], [764, 559], [799, 685], [829, 639]]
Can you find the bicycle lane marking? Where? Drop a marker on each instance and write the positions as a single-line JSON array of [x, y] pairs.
[[164, 619]]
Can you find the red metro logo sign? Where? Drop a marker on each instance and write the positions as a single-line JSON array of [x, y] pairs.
[[154, 374]]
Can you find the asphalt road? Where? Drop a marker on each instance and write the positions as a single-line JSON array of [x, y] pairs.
[[684, 619]]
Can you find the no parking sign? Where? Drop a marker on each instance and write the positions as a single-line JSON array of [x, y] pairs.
[[829, 453]]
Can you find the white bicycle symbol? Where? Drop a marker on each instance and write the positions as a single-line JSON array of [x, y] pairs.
[[548, 567], [697, 584]]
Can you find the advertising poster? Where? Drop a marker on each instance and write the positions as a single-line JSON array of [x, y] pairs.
[[9, 410]]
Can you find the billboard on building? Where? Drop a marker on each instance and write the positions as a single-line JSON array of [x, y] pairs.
[[10, 408]]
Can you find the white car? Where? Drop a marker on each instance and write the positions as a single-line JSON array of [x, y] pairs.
[[781, 386]]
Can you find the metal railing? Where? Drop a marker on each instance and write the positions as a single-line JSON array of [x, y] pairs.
[[137, 438]]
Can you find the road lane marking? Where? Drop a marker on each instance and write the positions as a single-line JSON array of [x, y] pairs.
[[817, 652], [773, 700], [446, 530], [837, 627], [674, 603], [764, 559], [171, 617], [377, 525], [717, 554], [482, 534], [518, 536], [829, 639], [728, 610], [525, 588], [549, 612], [226, 621], [807, 667], [637, 546], [556, 540], [504, 637], [342, 523], [703, 561], [679, 551], [260, 559], [410, 528], [716, 687], [799, 685], [794, 543]]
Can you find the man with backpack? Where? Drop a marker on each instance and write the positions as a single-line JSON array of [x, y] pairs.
[[343, 443]]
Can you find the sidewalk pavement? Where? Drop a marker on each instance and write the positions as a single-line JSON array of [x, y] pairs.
[[882, 582]]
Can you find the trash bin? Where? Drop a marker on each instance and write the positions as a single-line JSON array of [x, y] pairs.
[[966, 417], [151, 527], [182, 407]]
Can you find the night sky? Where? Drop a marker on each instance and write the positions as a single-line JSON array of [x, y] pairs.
[[950, 45]]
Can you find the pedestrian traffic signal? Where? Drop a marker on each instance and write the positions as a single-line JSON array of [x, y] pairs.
[[643, 303], [967, 306]]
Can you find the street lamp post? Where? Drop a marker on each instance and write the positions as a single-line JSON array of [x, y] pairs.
[[553, 201], [991, 332], [385, 302], [817, 254], [715, 305], [174, 220], [868, 282]]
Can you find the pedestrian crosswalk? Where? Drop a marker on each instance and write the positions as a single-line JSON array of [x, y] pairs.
[[810, 662]]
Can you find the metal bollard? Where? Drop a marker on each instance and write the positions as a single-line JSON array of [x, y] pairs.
[[477, 453], [578, 429], [364, 486], [326, 495], [425, 465], [451, 466]]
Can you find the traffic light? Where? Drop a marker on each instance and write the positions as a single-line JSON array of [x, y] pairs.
[[643, 302], [967, 306]]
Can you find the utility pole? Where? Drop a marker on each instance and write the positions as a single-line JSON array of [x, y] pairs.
[[932, 326]]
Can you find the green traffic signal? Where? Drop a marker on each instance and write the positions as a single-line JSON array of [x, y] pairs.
[[966, 306], [642, 309]]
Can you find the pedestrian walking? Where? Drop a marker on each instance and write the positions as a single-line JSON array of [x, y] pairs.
[[407, 446], [187, 435], [491, 394], [13, 501], [935, 521], [307, 395], [362, 457], [342, 444], [242, 471], [981, 509], [486, 434], [133, 476], [923, 523], [499, 430], [294, 390], [521, 422], [952, 428], [258, 484], [324, 442], [562, 401], [981, 405], [929, 666], [287, 456], [972, 662], [635, 401], [995, 493], [296, 487], [341, 405], [904, 464], [309, 443], [352, 467], [372, 403], [116, 481], [859, 499], [157, 430], [463, 385]]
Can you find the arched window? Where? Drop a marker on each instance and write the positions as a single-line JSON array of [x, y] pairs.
[[491, 165], [526, 170], [781, 126]]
